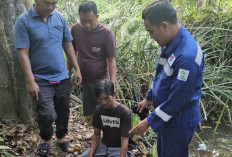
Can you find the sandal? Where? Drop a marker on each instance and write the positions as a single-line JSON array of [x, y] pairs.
[[65, 147], [43, 149]]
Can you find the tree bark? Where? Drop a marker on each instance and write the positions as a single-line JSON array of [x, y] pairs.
[[15, 101]]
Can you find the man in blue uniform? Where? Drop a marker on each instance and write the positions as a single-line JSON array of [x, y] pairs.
[[176, 86]]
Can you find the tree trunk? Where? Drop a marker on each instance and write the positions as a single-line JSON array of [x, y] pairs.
[[15, 101]]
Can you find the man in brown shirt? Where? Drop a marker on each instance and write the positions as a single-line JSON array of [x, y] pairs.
[[95, 46]]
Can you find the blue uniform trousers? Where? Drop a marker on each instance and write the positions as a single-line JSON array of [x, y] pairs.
[[173, 140]]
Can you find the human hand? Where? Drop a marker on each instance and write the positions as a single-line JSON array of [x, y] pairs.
[[142, 115], [33, 89], [77, 77], [141, 128], [142, 105]]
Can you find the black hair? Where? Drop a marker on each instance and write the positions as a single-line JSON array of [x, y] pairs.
[[87, 6], [159, 11], [104, 86]]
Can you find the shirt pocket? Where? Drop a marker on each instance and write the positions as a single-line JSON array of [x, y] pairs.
[[57, 32], [97, 49]]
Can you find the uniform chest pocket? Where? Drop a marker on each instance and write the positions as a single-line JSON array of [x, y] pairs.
[[162, 85], [165, 77], [165, 81], [57, 32]]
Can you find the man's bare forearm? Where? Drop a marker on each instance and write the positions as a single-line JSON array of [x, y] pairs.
[[94, 144], [112, 69], [25, 64], [124, 146]]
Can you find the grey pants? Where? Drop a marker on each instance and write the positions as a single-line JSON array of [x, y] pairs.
[[103, 151], [53, 106]]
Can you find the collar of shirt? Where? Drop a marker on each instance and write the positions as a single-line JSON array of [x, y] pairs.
[[167, 51]]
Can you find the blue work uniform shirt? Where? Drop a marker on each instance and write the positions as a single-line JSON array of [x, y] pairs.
[[176, 86], [44, 40]]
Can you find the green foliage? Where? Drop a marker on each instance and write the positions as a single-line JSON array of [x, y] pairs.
[[69, 9], [221, 114], [3, 151], [4, 147], [154, 150]]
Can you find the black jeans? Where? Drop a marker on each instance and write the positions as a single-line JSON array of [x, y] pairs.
[[53, 106]]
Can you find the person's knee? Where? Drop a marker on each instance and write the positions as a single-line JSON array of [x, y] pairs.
[[46, 118]]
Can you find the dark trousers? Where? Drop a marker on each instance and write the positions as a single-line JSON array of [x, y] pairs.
[[53, 106]]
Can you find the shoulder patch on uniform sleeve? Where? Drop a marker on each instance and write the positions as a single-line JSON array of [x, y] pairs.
[[183, 74], [171, 60]]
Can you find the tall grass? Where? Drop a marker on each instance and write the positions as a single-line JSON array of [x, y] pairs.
[[217, 84]]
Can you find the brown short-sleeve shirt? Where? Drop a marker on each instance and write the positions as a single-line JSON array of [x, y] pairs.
[[93, 47]]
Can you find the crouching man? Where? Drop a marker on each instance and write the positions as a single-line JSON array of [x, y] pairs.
[[114, 119]]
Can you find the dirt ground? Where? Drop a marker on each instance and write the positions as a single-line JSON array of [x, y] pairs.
[[22, 140]]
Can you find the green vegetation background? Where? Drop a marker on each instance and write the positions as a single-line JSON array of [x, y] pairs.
[[209, 21]]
